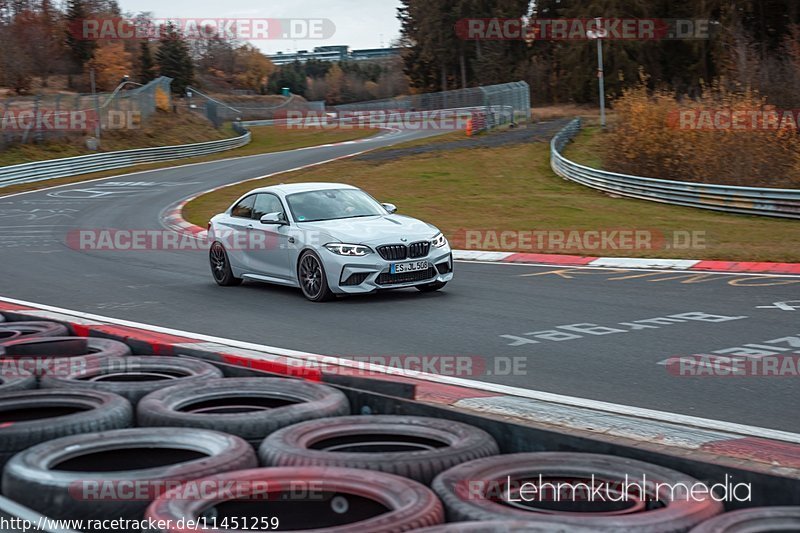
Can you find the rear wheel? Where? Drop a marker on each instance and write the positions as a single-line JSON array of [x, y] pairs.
[[221, 266], [431, 287], [312, 278]]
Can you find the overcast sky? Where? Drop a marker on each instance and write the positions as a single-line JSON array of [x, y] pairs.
[[359, 23]]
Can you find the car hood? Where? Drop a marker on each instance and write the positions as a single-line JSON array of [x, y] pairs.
[[378, 229]]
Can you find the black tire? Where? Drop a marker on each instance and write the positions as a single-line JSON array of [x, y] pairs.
[[432, 287], [221, 269], [474, 491], [415, 447], [251, 408], [755, 519], [339, 500], [134, 377], [10, 331], [33, 416], [85, 476], [57, 355], [10, 510], [312, 278], [502, 527], [19, 380]]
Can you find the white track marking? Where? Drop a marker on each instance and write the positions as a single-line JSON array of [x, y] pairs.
[[571, 401], [670, 271]]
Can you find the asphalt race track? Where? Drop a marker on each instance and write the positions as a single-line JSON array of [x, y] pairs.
[[533, 316]]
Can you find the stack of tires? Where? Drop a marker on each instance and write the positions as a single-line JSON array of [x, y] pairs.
[[90, 431]]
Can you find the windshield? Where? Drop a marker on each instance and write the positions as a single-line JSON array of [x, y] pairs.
[[332, 204]]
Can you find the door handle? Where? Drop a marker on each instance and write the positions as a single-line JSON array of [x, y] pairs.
[[249, 226], [291, 240]]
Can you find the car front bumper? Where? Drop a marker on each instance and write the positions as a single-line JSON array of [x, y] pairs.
[[360, 275]]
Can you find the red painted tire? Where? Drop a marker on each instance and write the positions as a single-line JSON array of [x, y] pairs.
[[755, 519], [10, 331], [334, 500], [478, 491], [57, 355], [415, 447]]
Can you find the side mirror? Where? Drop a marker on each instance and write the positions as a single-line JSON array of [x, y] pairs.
[[273, 218], [390, 208]]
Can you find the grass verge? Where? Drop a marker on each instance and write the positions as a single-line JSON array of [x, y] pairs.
[[512, 188], [265, 140]]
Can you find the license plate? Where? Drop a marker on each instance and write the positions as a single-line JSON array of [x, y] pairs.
[[414, 266]]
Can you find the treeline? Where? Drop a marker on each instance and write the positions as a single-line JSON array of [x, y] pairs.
[[342, 82], [753, 43], [39, 41]]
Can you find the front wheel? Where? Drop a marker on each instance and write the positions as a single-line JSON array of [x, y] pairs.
[[221, 266], [432, 287], [312, 278]]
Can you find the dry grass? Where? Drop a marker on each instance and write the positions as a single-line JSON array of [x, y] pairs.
[[657, 135], [163, 129], [552, 112]]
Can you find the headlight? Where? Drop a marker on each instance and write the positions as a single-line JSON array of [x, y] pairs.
[[353, 250], [438, 241]]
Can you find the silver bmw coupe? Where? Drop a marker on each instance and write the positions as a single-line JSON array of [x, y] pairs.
[[328, 239]]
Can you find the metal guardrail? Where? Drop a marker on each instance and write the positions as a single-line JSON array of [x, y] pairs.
[[783, 203], [72, 166]]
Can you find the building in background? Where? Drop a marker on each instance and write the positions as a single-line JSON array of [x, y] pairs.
[[334, 53]]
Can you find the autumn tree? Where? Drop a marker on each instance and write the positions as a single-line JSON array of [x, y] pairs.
[[334, 82], [16, 70], [111, 63], [252, 68]]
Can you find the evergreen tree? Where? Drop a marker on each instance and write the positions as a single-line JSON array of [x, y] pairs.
[[147, 67], [174, 60], [81, 49]]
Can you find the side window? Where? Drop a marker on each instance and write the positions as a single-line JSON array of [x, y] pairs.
[[244, 209], [266, 203]]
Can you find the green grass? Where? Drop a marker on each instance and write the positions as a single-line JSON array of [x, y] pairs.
[[513, 188], [273, 139], [587, 148], [264, 140]]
